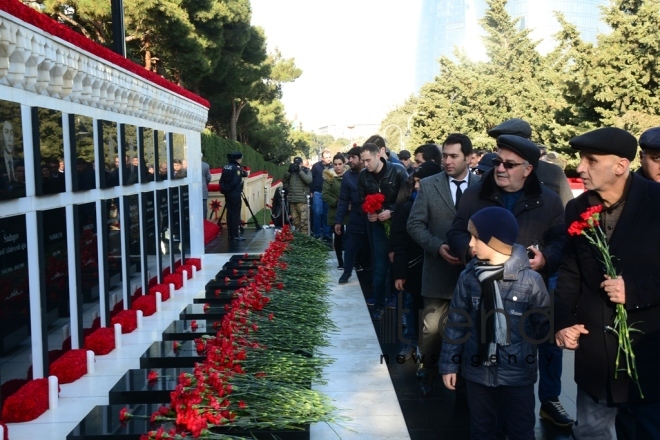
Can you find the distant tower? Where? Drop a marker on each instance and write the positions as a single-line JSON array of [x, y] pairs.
[[446, 24]]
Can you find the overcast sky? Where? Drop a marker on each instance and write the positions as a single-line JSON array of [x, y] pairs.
[[357, 56]]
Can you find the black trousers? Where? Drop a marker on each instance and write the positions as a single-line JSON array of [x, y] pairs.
[[233, 204], [484, 403]]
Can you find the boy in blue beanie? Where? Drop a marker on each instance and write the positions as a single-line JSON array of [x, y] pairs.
[[499, 313]]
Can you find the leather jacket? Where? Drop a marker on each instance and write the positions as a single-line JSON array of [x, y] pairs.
[[393, 176]]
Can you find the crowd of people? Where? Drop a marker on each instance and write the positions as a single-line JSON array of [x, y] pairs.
[[494, 287]]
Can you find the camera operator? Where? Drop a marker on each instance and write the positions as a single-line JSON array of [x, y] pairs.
[[298, 178], [231, 186]]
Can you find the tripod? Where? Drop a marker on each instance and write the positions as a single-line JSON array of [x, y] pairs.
[[257, 226]]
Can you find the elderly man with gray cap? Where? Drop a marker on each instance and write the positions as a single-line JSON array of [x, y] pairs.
[[649, 142], [514, 185], [586, 299]]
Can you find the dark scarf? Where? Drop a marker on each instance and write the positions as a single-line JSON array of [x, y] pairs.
[[494, 331]]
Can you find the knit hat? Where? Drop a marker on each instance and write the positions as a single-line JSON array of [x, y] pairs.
[[607, 140], [427, 169], [496, 227]]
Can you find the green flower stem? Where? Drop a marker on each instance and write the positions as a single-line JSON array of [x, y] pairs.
[[597, 237]]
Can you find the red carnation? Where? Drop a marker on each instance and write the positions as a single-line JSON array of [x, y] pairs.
[[101, 341], [70, 367]]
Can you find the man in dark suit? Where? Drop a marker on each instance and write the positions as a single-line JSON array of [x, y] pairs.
[[430, 218], [585, 300]]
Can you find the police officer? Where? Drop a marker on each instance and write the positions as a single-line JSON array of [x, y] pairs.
[[231, 185]]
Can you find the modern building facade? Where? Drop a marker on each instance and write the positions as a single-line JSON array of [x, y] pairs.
[[449, 24]]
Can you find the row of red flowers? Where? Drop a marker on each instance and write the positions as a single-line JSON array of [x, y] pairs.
[[210, 379]]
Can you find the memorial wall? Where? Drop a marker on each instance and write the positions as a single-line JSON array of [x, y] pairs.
[[100, 185]]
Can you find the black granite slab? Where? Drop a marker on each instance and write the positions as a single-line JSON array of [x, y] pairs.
[[135, 387], [163, 355], [246, 257], [234, 273], [184, 331], [197, 311], [242, 264], [102, 423], [230, 284]]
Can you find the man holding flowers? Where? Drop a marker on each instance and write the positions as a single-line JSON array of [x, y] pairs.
[[607, 300], [379, 177]]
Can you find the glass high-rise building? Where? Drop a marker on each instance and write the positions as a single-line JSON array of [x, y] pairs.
[[447, 24]]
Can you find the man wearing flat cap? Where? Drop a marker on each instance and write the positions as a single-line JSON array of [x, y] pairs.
[[586, 300], [649, 142], [552, 177], [514, 185], [548, 174], [430, 218], [231, 186]]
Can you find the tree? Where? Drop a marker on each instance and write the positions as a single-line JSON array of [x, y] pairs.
[[618, 80], [472, 97]]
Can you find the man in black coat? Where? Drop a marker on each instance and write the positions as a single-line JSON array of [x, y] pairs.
[[349, 203], [231, 186], [585, 300], [386, 178]]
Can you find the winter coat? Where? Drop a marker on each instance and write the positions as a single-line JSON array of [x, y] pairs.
[[522, 291], [431, 217], [231, 180], [298, 185], [553, 177], [349, 203], [317, 176], [539, 211], [408, 255], [635, 243], [330, 194]]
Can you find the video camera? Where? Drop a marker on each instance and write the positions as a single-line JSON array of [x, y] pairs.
[[296, 165]]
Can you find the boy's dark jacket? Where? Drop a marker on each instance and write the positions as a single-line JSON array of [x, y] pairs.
[[522, 290]]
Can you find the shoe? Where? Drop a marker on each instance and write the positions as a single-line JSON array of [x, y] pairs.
[[371, 302], [344, 279], [406, 352], [377, 314], [426, 384], [340, 267], [555, 412], [239, 238], [357, 267], [391, 303]]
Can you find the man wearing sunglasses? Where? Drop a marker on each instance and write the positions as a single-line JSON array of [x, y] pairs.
[[549, 174], [514, 185]]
